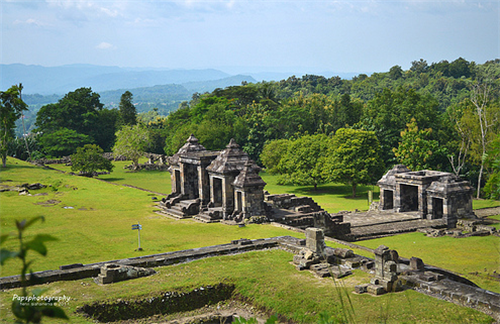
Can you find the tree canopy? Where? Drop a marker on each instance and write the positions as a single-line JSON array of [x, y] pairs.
[[11, 108], [131, 142], [89, 159], [354, 158], [302, 164]]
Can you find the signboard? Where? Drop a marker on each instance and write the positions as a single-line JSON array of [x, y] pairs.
[[138, 227]]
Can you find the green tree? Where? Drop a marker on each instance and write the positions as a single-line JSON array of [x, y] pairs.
[[272, 153], [63, 142], [388, 113], [88, 160], [11, 109], [416, 150], [487, 122], [132, 142], [354, 158], [492, 162], [77, 110], [82, 112], [303, 162], [128, 113]]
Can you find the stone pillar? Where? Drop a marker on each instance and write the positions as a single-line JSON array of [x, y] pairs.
[[315, 240]]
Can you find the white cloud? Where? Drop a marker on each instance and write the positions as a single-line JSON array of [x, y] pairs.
[[30, 22], [105, 46]]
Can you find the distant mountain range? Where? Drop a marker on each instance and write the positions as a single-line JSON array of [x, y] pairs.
[[160, 88], [152, 87], [62, 79]]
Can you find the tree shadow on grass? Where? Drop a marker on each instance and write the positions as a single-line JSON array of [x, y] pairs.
[[112, 179], [338, 190], [16, 167]]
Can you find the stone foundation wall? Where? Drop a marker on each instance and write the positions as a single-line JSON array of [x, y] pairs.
[[166, 303], [156, 260]]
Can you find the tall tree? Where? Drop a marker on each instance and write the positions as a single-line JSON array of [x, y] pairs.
[[82, 112], [77, 110], [131, 142], [388, 113], [272, 153], [11, 108], [62, 142], [128, 112], [488, 118], [416, 150], [20, 86], [492, 160], [354, 158], [303, 162]]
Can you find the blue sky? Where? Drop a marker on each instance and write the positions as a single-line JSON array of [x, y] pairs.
[[251, 35]]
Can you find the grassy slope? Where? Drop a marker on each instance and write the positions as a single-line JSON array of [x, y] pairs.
[[98, 227], [102, 232], [272, 282]]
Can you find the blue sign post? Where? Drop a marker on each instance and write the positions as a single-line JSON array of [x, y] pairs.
[[138, 227]]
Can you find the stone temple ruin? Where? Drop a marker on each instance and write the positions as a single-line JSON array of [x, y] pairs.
[[430, 194], [225, 186]]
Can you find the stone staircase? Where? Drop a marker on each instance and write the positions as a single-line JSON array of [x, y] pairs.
[[210, 215], [181, 209]]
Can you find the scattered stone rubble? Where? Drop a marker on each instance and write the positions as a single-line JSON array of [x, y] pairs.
[[391, 272], [113, 272], [23, 189], [322, 261], [156, 162], [465, 228]]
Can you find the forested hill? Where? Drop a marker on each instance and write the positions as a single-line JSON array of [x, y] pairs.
[[441, 116], [62, 79]]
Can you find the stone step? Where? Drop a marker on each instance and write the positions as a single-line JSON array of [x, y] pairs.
[[174, 213], [205, 219]]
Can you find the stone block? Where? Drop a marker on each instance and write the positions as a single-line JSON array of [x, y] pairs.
[[361, 289], [315, 234], [375, 290], [343, 253], [353, 263], [416, 264], [387, 284], [368, 265]]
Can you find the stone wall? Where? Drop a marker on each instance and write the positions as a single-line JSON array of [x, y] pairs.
[[166, 303]]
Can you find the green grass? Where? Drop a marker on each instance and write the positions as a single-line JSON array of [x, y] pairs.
[[96, 223], [484, 203], [157, 181], [269, 280], [98, 228], [331, 197]]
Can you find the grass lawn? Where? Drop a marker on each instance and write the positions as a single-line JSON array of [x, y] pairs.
[[158, 181], [331, 197], [269, 280], [92, 220]]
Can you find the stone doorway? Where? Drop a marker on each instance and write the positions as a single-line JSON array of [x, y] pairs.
[[388, 200], [191, 181], [437, 208], [177, 178], [409, 198], [239, 201], [217, 190]]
